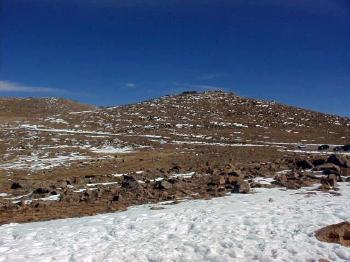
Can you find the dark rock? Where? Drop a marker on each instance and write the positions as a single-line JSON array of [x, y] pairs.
[[163, 185], [304, 164], [338, 149], [234, 173], [41, 191], [188, 93], [323, 147], [116, 198], [241, 187], [328, 167], [157, 208], [175, 168], [130, 182], [85, 196], [15, 185], [318, 162], [338, 160]]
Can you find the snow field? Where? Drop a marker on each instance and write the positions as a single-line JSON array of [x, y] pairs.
[[269, 225]]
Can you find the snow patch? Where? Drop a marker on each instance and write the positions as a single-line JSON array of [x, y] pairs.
[[233, 228]]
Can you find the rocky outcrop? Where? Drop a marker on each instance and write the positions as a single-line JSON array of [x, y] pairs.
[[337, 233]]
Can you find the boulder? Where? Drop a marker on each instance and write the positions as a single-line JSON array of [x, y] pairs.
[[328, 168], [335, 177], [41, 191], [338, 149], [338, 160], [241, 187], [318, 162], [337, 233], [116, 198], [16, 185], [129, 182], [232, 179], [217, 180], [163, 185], [323, 147], [330, 181], [292, 184], [304, 164]]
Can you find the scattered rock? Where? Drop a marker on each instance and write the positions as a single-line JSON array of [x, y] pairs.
[[337, 233]]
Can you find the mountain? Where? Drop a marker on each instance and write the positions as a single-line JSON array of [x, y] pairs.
[[59, 158]]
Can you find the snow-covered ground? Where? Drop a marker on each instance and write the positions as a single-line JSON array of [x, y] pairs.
[[270, 225]]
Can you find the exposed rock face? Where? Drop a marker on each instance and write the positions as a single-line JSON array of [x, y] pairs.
[[337, 233]]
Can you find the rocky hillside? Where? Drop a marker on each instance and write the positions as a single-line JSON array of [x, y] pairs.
[[38, 107], [216, 114], [62, 159]]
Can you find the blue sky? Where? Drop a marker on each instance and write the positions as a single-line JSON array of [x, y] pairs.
[[111, 52]]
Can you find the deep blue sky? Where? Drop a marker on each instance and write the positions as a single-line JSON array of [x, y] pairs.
[[115, 52]]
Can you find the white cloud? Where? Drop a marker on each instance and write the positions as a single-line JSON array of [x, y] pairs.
[[210, 76], [8, 86], [129, 85]]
